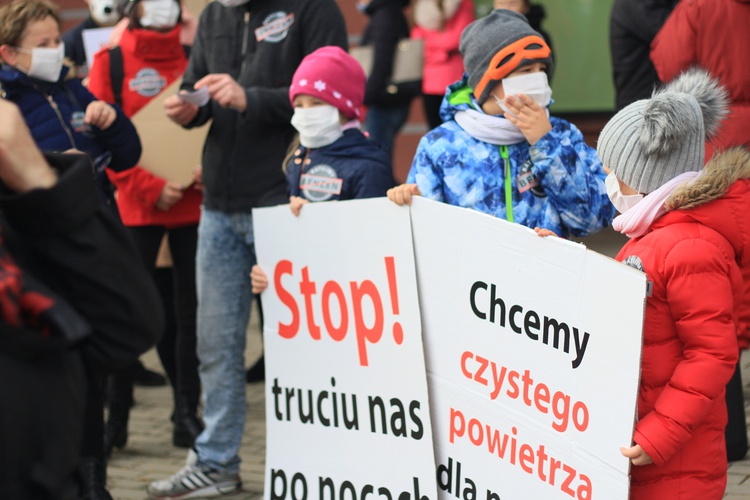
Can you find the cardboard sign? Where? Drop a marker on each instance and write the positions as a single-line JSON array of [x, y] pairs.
[[169, 150], [533, 355], [347, 411]]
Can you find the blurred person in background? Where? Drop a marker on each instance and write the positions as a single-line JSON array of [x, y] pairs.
[[244, 56], [439, 24], [148, 58], [633, 24], [62, 115], [387, 104], [76, 301]]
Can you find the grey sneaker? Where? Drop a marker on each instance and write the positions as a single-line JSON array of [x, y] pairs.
[[193, 481]]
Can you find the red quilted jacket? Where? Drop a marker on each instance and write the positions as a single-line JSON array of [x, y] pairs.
[[715, 35], [693, 257]]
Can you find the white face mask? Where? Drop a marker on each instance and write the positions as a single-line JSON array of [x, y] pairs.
[[104, 12], [159, 14], [46, 64], [232, 3], [533, 85], [317, 126], [622, 202]]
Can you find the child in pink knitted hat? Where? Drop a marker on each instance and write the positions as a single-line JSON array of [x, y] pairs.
[[332, 159]]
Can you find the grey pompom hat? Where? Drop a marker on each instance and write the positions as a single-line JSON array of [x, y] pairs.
[[654, 140]]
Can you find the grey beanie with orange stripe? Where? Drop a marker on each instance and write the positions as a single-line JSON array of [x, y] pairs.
[[498, 44]]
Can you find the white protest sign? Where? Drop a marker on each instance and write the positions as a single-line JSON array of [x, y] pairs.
[[533, 353], [94, 39], [347, 411]]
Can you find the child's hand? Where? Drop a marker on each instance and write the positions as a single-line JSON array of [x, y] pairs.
[[636, 455], [401, 195], [100, 115], [258, 280], [295, 203], [171, 194], [544, 232], [529, 117]]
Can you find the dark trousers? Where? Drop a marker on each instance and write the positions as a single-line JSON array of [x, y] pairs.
[[41, 425], [735, 433], [177, 348], [431, 105]]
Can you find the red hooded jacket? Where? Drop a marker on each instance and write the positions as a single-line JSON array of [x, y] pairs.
[[151, 62], [715, 35], [693, 257]]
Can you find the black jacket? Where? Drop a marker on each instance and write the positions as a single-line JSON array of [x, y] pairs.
[[387, 26], [74, 292], [535, 16], [260, 45], [633, 24], [74, 49]]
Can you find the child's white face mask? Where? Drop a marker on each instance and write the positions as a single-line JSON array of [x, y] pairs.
[[317, 126], [622, 202], [532, 85]]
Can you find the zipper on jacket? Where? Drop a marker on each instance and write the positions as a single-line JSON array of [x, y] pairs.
[[245, 36], [508, 184], [56, 109]]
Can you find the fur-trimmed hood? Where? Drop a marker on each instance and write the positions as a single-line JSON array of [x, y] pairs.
[[717, 176], [719, 198]]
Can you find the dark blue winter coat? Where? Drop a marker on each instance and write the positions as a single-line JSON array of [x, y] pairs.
[[54, 113], [353, 167]]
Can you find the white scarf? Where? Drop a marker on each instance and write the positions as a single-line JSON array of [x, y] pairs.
[[496, 130], [636, 221]]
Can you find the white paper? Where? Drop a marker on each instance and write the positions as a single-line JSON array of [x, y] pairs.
[[198, 97], [94, 40]]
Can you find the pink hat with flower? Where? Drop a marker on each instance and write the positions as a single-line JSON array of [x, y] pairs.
[[333, 76]]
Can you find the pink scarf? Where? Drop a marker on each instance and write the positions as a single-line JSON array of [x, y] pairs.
[[636, 221]]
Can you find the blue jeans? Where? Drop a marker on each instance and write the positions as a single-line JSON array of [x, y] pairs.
[[226, 254], [384, 123]]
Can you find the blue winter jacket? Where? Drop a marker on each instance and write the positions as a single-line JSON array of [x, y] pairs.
[[352, 167], [54, 113], [556, 184]]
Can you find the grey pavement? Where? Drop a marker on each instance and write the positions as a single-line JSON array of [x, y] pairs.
[[149, 454]]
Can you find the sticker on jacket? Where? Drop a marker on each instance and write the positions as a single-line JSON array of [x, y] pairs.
[[78, 124], [320, 183], [635, 262], [147, 82], [527, 181], [275, 27]]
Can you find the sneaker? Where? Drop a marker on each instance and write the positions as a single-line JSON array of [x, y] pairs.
[[193, 481]]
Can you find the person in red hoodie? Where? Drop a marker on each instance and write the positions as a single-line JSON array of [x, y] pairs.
[[149, 58], [686, 237], [697, 33], [439, 24]]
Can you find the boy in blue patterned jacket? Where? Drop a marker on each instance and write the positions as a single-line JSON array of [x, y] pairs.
[[498, 150]]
